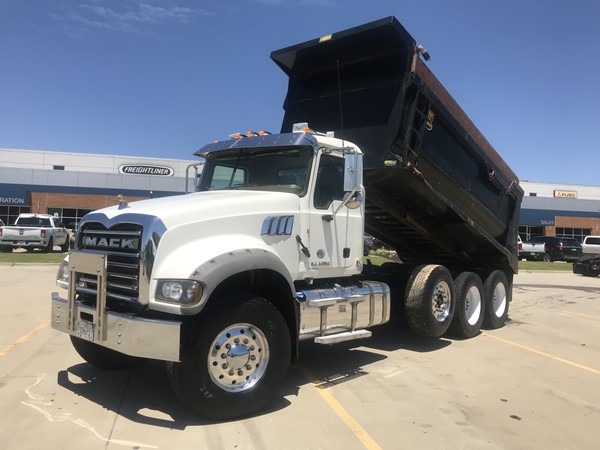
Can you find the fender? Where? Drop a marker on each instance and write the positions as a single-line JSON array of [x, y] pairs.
[[214, 271]]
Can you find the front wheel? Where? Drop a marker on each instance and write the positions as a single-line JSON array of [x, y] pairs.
[[497, 297], [236, 363], [430, 303]]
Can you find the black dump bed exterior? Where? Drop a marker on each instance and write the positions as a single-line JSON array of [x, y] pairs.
[[436, 189]]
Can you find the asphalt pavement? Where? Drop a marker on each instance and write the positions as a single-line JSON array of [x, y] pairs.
[[534, 384]]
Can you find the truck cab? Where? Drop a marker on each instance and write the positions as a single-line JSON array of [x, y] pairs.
[[317, 177]]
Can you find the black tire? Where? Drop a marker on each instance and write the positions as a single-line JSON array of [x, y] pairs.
[[468, 315], [429, 303], [497, 295], [547, 257], [6, 249], [65, 247], [588, 272], [49, 248], [220, 378], [104, 358]]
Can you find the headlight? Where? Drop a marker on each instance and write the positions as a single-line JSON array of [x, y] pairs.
[[184, 292], [62, 277]]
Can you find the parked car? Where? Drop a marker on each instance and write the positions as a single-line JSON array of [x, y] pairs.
[[591, 245], [560, 248], [533, 251], [32, 231]]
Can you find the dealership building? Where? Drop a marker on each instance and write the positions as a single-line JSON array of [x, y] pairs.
[[552, 209], [69, 185]]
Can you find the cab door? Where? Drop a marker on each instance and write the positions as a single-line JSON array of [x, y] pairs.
[[335, 234]]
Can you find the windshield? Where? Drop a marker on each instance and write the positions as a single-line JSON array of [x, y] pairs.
[[281, 169]]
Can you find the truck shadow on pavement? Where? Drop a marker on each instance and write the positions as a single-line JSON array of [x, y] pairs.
[[143, 395]]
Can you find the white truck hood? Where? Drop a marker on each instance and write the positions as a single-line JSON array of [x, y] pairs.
[[176, 211]]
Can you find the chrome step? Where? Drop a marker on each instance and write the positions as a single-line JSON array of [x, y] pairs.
[[342, 337]]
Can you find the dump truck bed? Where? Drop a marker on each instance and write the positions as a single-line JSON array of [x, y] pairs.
[[437, 191]]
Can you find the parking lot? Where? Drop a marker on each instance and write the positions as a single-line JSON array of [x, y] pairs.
[[532, 384]]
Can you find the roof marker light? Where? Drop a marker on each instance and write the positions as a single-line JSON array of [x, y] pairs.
[[301, 127]]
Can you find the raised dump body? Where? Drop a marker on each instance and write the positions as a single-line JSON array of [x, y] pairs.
[[436, 189]]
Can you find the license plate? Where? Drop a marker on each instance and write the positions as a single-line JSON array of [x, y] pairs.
[[85, 330], [21, 242]]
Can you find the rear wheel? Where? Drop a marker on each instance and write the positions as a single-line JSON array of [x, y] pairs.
[[104, 358], [48, 248], [236, 363], [430, 303], [6, 249], [497, 297], [547, 257], [468, 315]]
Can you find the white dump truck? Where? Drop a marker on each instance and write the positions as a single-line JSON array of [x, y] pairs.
[[224, 283]]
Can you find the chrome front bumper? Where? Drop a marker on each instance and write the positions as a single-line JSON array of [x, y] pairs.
[[135, 336], [125, 333]]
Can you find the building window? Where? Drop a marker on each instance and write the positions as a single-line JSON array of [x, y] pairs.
[[577, 233], [9, 214], [58, 167], [69, 216], [533, 194], [527, 232]]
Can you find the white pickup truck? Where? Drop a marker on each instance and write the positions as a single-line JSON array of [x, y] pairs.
[[32, 231], [532, 251], [591, 245]]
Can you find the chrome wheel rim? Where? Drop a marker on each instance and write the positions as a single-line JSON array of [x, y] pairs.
[[238, 357], [441, 301]]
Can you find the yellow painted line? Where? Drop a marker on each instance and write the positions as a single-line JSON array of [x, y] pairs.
[[547, 355], [354, 426], [23, 339], [569, 313]]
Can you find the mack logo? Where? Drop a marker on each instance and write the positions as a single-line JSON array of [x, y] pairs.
[[109, 242]]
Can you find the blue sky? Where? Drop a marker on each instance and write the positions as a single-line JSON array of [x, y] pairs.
[[163, 77]]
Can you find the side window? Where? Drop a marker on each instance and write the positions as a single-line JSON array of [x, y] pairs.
[[330, 181]]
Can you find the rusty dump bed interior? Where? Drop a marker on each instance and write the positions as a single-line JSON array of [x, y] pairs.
[[436, 189]]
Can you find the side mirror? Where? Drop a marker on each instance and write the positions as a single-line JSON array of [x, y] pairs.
[[354, 201], [352, 171]]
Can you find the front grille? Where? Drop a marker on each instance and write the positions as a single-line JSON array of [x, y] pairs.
[[121, 243]]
